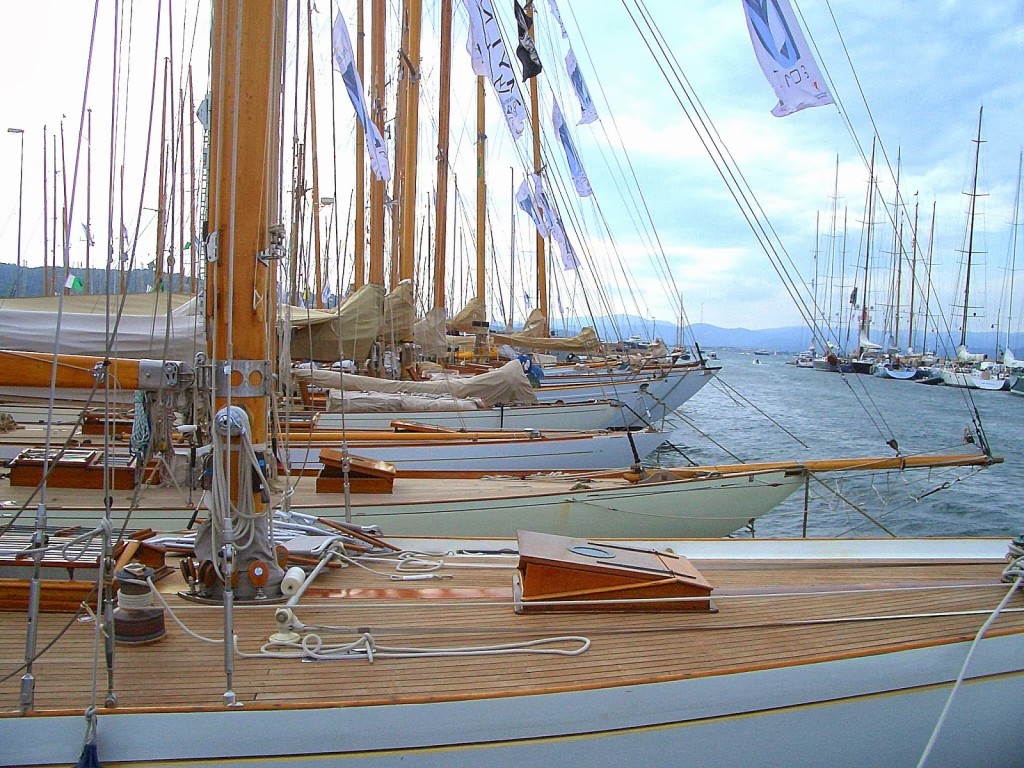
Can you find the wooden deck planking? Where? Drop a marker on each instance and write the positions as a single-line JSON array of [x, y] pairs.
[[747, 632]]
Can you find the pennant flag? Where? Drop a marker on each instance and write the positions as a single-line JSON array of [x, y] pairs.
[[534, 200], [344, 62], [526, 299], [88, 235], [579, 176], [490, 59], [784, 57], [74, 283], [525, 200], [526, 51], [580, 86], [558, 17]]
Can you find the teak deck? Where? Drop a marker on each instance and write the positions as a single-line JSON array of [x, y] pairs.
[[769, 614]]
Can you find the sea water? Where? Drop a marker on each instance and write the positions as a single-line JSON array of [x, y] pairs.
[[774, 411]]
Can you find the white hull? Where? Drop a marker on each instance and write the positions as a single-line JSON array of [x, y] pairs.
[[597, 414], [567, 505], [970, 380], [579, 452], [649, 397]]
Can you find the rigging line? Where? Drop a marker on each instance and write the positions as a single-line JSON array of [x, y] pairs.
[[659, 247], [857, 508], [732, 390], [726, 168], [692, 425]]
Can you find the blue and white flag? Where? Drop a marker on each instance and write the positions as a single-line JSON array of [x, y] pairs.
[[344, 62], [558, 17], [526, 200], [532, 198], [784, 57], [579, 176], [580, 86], [490, 59]]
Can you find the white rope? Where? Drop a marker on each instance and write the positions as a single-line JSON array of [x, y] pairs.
[[234, 422], [1014, 571], [180, 623], [311, 646]]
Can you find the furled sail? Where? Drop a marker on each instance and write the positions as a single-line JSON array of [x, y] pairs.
[[428, 333], [399, 314], [144, 330], [347, 332], [507, 384], [472, 318], [533, 337]]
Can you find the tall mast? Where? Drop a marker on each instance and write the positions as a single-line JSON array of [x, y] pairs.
[[1013, 251], [972, 209], [411, 62], [317, 272], [481, 191], [542, 272], [161, 217], [928, 281], [377, 113], [913, 278], [88, 197], [359, 261], [863, 331], [46, 244], [443, 120]]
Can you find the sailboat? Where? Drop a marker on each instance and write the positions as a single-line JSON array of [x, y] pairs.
[[556, 650], [969, 370]]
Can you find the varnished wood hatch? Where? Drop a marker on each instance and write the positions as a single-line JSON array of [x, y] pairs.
[[559, 573]]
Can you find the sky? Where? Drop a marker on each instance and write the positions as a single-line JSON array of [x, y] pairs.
[[915, 73]]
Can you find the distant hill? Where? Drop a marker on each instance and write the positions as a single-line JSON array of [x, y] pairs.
[[792, 339], [31, 282]]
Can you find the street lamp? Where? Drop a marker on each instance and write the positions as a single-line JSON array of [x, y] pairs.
[[21, 181]]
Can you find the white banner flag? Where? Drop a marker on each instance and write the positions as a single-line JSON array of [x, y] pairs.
[[526, 200], [558, 17], [532, 198], [490, 59], [580, 86], [344, 61], [784, 57], [579, 176]]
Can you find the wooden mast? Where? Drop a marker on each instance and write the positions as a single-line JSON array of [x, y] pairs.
[[377, 21], [359, 261], [317, 272], [411, 55], [443, 122], [481, 191], [542, 273]]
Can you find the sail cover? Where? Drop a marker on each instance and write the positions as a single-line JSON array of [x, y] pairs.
[[784, 57], [399, 314], [346, 332], [507, 384], [144, 331]]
